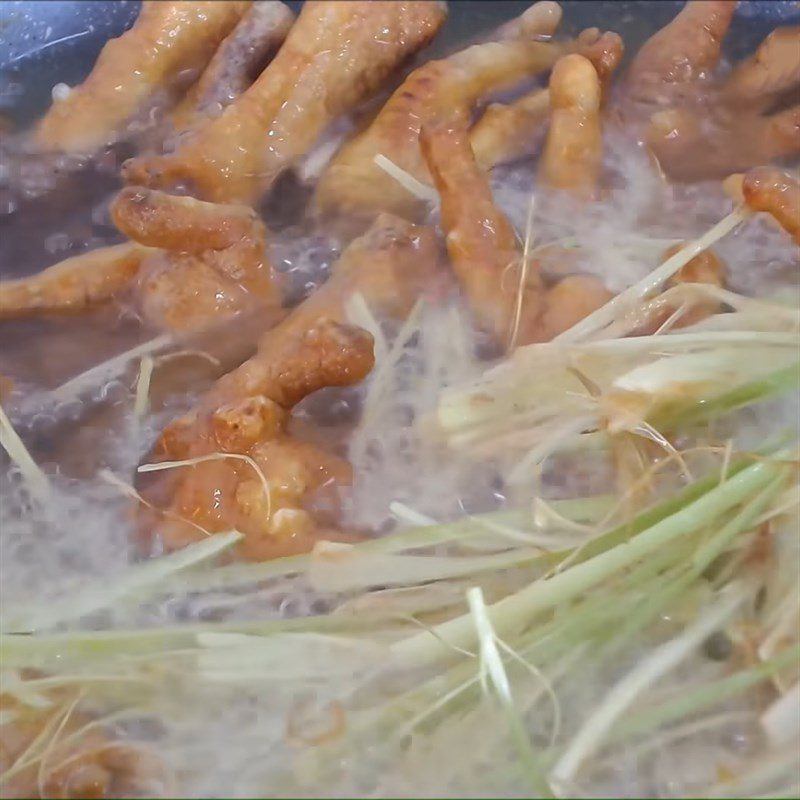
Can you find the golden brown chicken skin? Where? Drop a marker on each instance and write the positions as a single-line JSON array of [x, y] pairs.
[[507, 132], [682, 52], [335, 56], [771, 190], [573, 150], [75, 284], [484, 253], [239, 60], [709, 128], [246, 412], [189, 264], [693, 145], [774, 68], [169, 42], [354, 184], [211, 263]]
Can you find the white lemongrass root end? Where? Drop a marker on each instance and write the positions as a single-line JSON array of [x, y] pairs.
[[146, 365], [406, 180], [781, 721], [35, 479]]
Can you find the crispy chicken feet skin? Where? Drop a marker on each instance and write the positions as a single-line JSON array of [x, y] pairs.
[[773, 69], [483, 250], [713, 130], [335, 56], [693, 145], [229, 494], [75, 284], [573, 150], [773, 191], [212, 260], [508, 132], [246, 411], [238, 61], [190, 264], [168, 41], [682, 52], [354, 184]]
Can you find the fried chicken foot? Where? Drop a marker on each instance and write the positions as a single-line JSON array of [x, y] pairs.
[[773, 69], [74, 284], [508, 132], [80, 758], [539, 21], [212, 261], [692, 146], [245, 412], [239, 60], [190, 263], [573, 149], [168, 42], [230, 494], [483, 250], [771, 190], [354, 184], [681, 52], [335, 56]]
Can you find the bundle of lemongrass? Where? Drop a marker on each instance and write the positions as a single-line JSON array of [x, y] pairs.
[[560, 648]]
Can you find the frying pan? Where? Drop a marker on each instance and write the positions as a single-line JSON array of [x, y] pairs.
[[45, 42]]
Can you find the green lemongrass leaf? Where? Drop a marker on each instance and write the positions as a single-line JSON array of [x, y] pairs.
[[726, 366], [473, 532], [660, 661], [82, 647], [492, 665], [689, 568], [691, 700], [104, 594], [774, 385], [514, 612], [295, 657], [619, 304], [344, 568]]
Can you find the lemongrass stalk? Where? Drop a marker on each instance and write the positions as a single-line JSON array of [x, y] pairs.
[[406, 179], [142, 396], [781, 721], [81, 647], [662, 660], [108, 369], [706, 695], [774, 385], [514, 612], [604, 315], [492, 663], [462, 532], [347, 570], [37, 482], [690, 569], [106, 593]]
